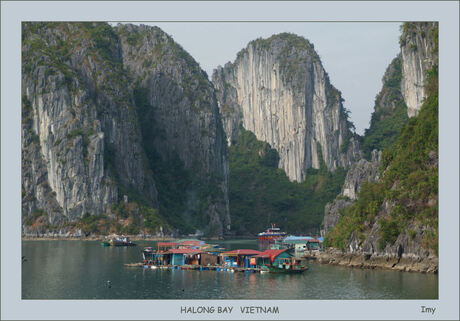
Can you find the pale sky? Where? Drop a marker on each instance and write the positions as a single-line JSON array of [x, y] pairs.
[[354, 54]]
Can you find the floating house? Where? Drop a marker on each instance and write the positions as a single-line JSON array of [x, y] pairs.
[[152, 257], [182, 256], [186, 256], [240, 258], [303, 243], [314, 244], [280, 261], [273, 257]]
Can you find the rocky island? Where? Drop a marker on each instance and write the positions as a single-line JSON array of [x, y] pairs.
[[123, 132]]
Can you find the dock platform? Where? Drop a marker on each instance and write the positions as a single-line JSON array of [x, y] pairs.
[[196, 267]]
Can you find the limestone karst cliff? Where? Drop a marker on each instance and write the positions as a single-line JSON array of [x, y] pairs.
[[390, 112], [278, 89], [180, 121], [84, 146], [419, 42], [360, 173], [79, 135], [393, 222]]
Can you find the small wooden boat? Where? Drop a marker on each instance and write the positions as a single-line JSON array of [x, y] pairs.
[[122, 241], [134, 264], [105, 243], [288, 269]]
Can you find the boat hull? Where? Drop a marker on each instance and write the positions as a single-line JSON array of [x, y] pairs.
[[271, 237], [118, 243], [274, 269]]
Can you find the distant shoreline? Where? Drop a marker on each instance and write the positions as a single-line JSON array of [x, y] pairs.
[[89, 238], [132, 237]]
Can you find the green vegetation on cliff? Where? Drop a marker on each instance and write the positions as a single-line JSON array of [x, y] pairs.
[[390, 113], [261, 193], [409, 184]]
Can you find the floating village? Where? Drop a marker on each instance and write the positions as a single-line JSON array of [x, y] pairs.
[[284, 254]]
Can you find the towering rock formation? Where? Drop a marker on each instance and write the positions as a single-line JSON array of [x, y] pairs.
[[419, 43], [278, 89], [180, 117], [403, 92], [79, 135], [394, 222], [87, 111]]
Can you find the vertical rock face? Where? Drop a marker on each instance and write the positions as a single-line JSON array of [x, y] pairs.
[[181, 104], [419, 54], [79, 138], [395, 220], [278, 89], [102, 107], [361, 172]]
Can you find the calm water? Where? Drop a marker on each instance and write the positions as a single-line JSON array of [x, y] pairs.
[[81, 269]]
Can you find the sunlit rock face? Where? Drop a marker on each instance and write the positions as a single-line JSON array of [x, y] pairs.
[[278, 89], [419, 54], [79, 140], [91, 94]]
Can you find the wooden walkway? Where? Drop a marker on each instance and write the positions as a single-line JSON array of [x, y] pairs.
[[196, 267]]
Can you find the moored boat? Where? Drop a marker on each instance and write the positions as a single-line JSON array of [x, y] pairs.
[[121, 241], [272, 233]]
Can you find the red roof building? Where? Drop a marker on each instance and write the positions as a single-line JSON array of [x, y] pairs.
[[270, 254], [239, 258], [164, 246], [184, 251]]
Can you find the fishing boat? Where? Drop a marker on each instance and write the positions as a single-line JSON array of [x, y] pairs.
[[272, 233], [121, 241], [105, 243]]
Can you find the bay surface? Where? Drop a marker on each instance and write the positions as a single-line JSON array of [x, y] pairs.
[[81, 269]]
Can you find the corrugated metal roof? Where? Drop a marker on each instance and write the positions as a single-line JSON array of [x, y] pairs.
[[242, 252], [166, 244]]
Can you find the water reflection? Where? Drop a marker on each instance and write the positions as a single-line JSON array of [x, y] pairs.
[[80, 270]]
